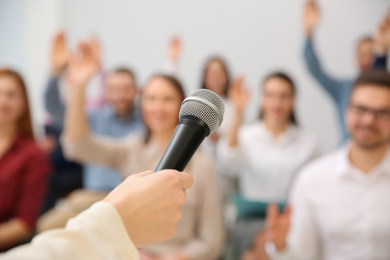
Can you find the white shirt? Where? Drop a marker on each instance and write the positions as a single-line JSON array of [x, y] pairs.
[[97, 233], [265, 165], [339, 212]]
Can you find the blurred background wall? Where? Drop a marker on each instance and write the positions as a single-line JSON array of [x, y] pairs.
[[255, 37]]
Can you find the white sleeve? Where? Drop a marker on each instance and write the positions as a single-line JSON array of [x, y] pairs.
[[97, 233], [303, 240]]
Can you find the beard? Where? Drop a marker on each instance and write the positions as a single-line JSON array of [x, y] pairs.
[[373, 144]]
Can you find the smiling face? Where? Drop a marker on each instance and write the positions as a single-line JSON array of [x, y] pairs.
[[12, 101], [216, 78], [368, 116], [121, 92], [161, 103], [277, 100]]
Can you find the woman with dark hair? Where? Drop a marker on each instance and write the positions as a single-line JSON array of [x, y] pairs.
[[266, 154], [216, 77], [199, 233], [23, 166]]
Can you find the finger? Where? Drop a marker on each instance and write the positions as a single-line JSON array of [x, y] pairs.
[[272, 214], [187, 180], [287, 211]]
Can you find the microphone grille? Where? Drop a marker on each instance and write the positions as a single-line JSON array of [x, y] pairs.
[[205, 105]]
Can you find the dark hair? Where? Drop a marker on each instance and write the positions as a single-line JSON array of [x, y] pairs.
[[178, 87], [378, 77], [225, 69], [283, 76], [125, 70], [24, 123]]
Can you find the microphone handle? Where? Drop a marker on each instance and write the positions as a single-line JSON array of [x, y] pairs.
[[188, 136]]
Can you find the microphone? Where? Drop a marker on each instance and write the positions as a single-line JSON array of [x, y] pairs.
[[200, 115]]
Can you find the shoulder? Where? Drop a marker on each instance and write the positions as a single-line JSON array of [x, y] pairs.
[[29, 146], [30, 152], [320, 170]]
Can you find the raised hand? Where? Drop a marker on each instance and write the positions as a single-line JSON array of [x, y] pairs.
[[59, 56], [382, 37], [96, 51], [83, 64], [278, 225], [238, 94], [175, 47], [311, 17]]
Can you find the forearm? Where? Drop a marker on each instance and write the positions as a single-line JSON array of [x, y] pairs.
[[97, 233], [13, 232], [53, 102], [76, 122], [233, 131]]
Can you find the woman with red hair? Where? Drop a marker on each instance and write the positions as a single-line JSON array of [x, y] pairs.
[[23, 166]]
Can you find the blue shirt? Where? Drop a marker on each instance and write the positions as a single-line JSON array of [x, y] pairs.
[[102, 122], [105, 122], [338, 89]]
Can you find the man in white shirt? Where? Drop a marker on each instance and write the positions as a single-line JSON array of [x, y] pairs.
[[142, 210], [340, 204]]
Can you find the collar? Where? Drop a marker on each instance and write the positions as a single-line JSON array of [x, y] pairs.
[[110, 112], [290, 134], [345, 168]]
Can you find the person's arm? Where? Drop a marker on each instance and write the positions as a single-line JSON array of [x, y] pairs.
[[78, 142], [13, 232], [97, 102], [102, 150], [53, 103], [209, 242], [330, 85], [59, 58], [293, 234], [382, 43], [229, 151], [171, 65], [142, 210]]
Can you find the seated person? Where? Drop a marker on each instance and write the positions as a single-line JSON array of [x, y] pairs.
[[339, 203], [116, 119], [199, 233], [266, 154], [370, 53], [23, 166]]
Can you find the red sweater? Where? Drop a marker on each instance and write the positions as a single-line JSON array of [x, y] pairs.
[[23, 180]]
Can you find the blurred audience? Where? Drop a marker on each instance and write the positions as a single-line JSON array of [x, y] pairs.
[[216, 77], [23, 166], [117, 118], [339, 204], [266, 154], [369, 53], [199, 233], [66, 176]]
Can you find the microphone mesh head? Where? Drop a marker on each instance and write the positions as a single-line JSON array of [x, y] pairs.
[[205, 105]]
